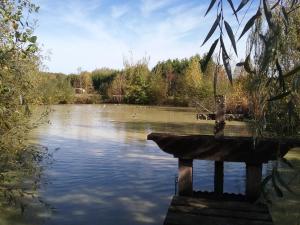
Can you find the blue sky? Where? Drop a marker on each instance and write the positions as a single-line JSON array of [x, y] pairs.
[[99, 33]]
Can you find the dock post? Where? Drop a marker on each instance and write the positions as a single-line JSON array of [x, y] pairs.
[[219, 133], [185, 177], [219, 178], [253, 181]]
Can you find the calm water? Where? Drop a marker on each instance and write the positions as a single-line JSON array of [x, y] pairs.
[[104, 171]]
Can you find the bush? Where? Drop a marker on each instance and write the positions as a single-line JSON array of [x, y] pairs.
[[137, 77], [158, 88], [54, 89], [102, 79]]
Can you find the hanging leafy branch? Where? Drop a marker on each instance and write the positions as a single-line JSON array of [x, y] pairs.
[[273, 66], [221, 24], [16, 36], [285, 8]]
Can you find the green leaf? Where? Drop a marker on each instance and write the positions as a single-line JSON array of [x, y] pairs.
[[293, 71], [231, 36], [31, 48], [263, 38], [263, 188], [279, 96], [250, 23], [212, 29], [242, 4], [227, 66], [212, 2], [269, 54], [17, 35], [33, 39], [266, 180], [276, 4], [285, 15], [209, 55], [293, 3], [282, 182], [280, 75], [296, 84], [275, 185], [268, 14], [223, 47], [247, 65], [233, 9]]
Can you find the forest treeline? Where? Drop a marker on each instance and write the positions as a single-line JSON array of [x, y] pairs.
[[177, 82]]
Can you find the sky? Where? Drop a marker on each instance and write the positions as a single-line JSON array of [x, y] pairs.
[[89, 34]]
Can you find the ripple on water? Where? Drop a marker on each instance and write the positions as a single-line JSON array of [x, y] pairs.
[[105, 172]]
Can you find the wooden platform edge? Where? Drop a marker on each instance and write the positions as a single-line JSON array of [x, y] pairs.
[[201, 211]]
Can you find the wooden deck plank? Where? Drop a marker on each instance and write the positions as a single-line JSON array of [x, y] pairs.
[[221, 213], [201, 211], [189, 219], [216, 204]]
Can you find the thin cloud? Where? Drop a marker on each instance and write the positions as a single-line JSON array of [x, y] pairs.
[[102, 34], [118, 11], [149, 6]]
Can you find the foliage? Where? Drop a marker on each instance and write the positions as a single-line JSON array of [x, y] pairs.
[[171, 71], [116, 91], [158, 88], [54, 89], [86, 81], [136, 75], [19, 63], [74, 80], [272, 65], [102, 79]]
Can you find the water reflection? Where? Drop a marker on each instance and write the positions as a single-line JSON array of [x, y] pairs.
[[105, 171]]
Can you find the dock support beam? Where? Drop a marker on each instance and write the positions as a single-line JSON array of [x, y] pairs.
[[253, 181], [219, 134], [185, 177], [219, 178]]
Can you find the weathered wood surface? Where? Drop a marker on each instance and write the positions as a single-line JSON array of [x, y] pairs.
[[253, 181], [185, 177], [219, 178], [230, 149], [219, 134], [200, 211]]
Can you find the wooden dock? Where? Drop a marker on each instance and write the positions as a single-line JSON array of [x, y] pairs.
[[189, 208], [219, 208], [205, 211]]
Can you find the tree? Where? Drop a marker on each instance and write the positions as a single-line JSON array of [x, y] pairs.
[[271, 63], [191, 81], [19, 59], [157, 87], [116, 90], [53, 88], [137, 75], [102, 79]]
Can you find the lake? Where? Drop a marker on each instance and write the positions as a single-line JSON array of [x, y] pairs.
[[104, 171]]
